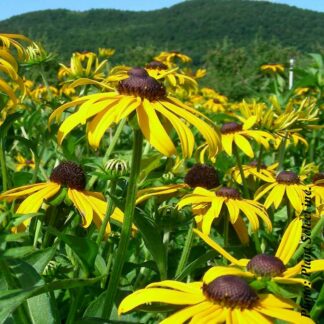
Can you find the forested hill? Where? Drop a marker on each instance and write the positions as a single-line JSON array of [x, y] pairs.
[[192, 26]]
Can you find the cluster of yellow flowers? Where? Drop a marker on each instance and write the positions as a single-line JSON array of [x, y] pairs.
[[163, 102]]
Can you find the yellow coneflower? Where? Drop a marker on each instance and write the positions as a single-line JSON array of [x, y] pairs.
[[228, 299], [91, 205], [44, 93], [24, 163], [237, 134], [216, 104], [273, 68], [84, 65], [207, 205], [144, 95], [265, 265], [106, 52], [12, 40], [286, 184], [265, 173], [169, 57]]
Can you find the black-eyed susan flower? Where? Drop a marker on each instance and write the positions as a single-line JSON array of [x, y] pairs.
[[228, 299], [170, 57], [262, 172], [207, 205], [272, 267], [24, 163], [145, 96], [106, 52], [272, 68], [286, 184], [70, 175], [237, 134]]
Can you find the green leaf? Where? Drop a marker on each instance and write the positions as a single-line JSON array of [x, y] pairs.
[[148, 164], [153, 241], [83, 247], [39, 259], [18, 252], [21, 178]]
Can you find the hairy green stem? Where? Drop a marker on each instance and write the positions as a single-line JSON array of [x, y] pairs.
[[126, 227], [239, 164], [110, 207], [4, 171], [282, 150], [110, 149], [51, 222], [186, 250]]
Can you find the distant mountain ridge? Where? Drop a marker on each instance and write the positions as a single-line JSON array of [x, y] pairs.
[[192, 26]]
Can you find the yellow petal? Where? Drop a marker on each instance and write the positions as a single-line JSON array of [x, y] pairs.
[[212, 213], [294, 198], [275, 196], [158, 295], [33, 202], [192, 287], [227, 142], [22, 191], [263, 190], [185, 314], [244, 145], [216, 247], [290, 240], [81, 203], [153, 130], [241, 230]]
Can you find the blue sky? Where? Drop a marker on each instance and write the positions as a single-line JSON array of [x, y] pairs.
[[10, 8]]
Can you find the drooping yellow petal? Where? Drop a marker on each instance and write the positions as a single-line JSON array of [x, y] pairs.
[[214, 314], [186, 137], [192, 287], [212, 213], [263, 190], [227, 142], [241, 230], [293, 271], [269, 300], [290, 240], [292, 281], [233, 210], [216, 247], [275, 196], [22, 191], [153, 130], [316, 265], [185, 314], [250, 316], [244, 145], [145, 194], [158, 295], [33, 202], [81, 203], [294, 198]]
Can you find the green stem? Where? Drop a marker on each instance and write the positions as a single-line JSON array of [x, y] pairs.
[[289, 215], [239, 164], [37, 232], [126, 227], [259, 163], [110, 149], [42, 73], [186, 250], [315, 233], [317, 309], [257, 243], [51, 222], [74, 306], [281, 153], [226, 228], [110, 207], [4, 171]]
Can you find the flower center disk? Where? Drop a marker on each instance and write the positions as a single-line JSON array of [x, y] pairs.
[[230, 291], [266, 266], [156, 65], [69, 174], [254, 164], [228, 193], [318, 177], [231, 128], [288, 177], [202, 175], [140, 84]]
